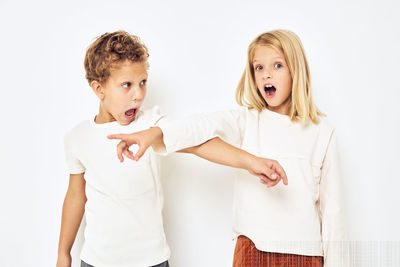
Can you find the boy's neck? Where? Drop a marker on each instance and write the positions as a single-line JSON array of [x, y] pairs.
[[103, 116]]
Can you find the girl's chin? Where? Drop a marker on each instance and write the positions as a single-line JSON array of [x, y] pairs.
[[271, 103], [281, 109], [274, 102]]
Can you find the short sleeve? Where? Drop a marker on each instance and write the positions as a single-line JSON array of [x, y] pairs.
[[73, 163]]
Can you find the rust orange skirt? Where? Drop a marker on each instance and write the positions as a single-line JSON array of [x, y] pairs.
[[247, 255]]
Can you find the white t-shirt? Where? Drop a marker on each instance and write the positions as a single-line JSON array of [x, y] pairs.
[[124, 200], [302, 218]]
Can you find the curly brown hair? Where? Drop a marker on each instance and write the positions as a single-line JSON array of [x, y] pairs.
[[110, 49]]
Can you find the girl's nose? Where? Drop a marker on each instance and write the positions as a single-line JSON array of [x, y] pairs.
[[267, 75]]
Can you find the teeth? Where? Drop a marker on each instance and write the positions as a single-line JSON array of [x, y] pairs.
[[268, 86]]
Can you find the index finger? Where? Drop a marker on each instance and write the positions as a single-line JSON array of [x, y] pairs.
[[278, 168], [116, 136]]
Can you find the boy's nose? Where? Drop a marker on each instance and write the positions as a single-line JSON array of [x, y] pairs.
[[137, 94]]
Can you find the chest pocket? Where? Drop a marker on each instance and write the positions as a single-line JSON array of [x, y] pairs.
[[290, 149]]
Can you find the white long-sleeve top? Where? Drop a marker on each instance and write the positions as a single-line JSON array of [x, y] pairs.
[[302, 218]]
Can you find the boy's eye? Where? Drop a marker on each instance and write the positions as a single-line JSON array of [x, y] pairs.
[[126, 85], [278, 65], [258, 67], [142, 83]]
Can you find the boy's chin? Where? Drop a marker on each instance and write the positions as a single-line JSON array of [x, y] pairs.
[[125, 120]]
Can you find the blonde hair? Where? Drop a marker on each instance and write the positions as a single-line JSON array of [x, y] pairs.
[[301, 104]]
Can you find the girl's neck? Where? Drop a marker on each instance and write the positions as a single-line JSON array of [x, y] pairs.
[[282, 109]]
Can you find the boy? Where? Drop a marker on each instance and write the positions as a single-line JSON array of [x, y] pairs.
[[122, 202]]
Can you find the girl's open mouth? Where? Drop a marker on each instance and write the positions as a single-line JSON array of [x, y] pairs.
[[130, 114], [270, 90]]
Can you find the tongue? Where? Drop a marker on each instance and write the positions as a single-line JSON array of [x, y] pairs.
[[130, 112], [271, 90]]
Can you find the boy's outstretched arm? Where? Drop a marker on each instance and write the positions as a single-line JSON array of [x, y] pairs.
[[269, 171], [215, 150], [72, 213]]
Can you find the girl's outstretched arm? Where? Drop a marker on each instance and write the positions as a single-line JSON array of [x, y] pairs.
[[215, 150], [184, 133], [269, 171]]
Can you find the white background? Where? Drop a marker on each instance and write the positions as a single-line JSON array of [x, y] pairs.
[[197, 54]]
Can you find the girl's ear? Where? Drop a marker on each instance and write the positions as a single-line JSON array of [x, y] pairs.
[[98, 89]]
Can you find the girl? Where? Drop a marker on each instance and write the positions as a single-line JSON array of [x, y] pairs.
[[297, 225]]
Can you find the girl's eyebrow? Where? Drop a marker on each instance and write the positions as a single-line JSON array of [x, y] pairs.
[[275, 58]]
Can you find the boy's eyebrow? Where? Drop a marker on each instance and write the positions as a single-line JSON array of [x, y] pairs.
[[142, 77]]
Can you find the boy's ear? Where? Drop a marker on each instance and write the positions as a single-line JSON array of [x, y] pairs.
[[98, 89]]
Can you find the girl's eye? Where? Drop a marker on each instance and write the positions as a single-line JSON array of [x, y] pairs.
[[142, 83], [126, 85], [278, 65], [258, 67]]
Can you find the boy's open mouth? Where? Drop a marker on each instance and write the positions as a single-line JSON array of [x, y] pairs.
[[270, 90], [130, 114]]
